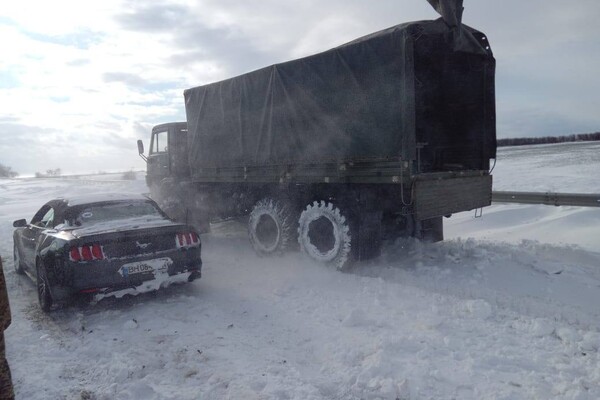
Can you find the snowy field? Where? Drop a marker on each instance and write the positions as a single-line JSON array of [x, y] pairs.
[[507, 307]]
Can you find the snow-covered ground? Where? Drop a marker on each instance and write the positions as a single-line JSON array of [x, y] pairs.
[[505, 308]]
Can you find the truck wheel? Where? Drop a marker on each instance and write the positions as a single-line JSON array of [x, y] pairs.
[[171, 205], [166, 195], [324, 234], [271, 227]]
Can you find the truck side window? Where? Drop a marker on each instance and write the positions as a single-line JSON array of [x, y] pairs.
[[159, 142]]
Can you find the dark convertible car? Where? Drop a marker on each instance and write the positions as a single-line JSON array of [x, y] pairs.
[[108, 245]]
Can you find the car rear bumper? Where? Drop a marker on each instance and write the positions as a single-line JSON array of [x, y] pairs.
[[140, 274], [160, 281]]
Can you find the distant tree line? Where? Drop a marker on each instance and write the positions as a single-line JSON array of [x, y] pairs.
[[7, 172], [580, 137], [50, 173]]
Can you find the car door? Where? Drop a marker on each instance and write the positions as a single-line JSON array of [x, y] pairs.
[[42, 220]]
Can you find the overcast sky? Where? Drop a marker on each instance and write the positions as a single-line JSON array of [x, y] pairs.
[[80, 81]]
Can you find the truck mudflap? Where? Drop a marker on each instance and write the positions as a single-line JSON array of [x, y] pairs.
[[438, 196]]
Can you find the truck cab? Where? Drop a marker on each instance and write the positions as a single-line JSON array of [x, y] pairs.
[[167, 156]]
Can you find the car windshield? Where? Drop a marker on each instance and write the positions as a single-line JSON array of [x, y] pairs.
[[106, 212]]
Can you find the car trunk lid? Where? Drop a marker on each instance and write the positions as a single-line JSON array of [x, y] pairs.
[[133, 242]]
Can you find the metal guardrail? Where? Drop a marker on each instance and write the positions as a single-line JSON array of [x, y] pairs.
[[548, 198]]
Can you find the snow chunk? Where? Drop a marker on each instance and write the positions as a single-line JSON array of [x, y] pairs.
[[378, 378], [568, 335], [590, 341], [541, 327], [357, 317], [538, 327], [138, 390], [130, 324], [479, 309]]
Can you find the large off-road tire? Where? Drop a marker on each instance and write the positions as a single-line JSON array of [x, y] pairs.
[[168, 198], [43, 288], [271, 227], [200, 212], [430, 230], [17, 261], [324, 234], [173, 207]]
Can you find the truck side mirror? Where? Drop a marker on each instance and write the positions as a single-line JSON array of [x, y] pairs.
[[141, 150]]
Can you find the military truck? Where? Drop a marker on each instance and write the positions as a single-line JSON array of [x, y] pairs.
[[333, 153]]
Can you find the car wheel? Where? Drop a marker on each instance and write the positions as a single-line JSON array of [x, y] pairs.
[[271, 227], [17, 261], [324, 234], [43, 288]]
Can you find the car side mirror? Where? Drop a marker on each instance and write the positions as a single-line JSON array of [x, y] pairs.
[[20, 223]]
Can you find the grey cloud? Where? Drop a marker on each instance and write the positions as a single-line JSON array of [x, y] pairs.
[[112, 139], [230, 48], [108, 126], [141, 130], [126, 78], [187, 57], [13, 133], [247, 45], [540, 46], [153, 18], [138, 83], [195, 40], [530, 27], [120, 142], [78, 62], [21, 145], [532, 122], [7, 119], [81, 38]]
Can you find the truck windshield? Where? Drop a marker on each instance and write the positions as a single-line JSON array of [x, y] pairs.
[[159, 142]]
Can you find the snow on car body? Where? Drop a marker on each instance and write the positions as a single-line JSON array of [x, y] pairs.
[[104, 245]]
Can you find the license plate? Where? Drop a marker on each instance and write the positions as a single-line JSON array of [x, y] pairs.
[[145, 267]]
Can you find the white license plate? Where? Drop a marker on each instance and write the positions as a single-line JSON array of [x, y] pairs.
[[145, 267]]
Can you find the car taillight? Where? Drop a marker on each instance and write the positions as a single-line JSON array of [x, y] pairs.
[[74, 255], [86, 253], [188, 239], [97, 252]]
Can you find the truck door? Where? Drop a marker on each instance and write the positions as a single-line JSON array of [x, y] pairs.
[[158, 157], [178, 150]]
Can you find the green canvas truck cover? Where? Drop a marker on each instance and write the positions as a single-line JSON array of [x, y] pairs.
[[375, 98]]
